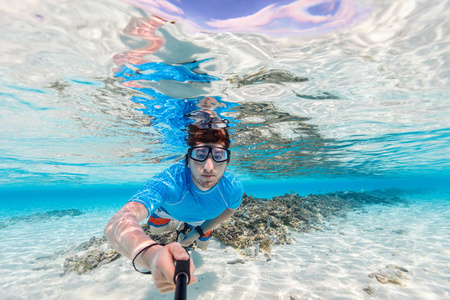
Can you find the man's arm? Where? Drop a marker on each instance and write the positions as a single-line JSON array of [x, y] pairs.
[[127, 237], [207, 226], [211, 224]]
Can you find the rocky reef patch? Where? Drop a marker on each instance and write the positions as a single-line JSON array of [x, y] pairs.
[[37, 217], [264, 223], [95, 253]]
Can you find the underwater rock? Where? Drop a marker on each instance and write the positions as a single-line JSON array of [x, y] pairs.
[[399, 231], [236, 261], [89, 261], [368, 289], [252, 251], [41, 216], [391, 274], [95, 253], [93, 242]]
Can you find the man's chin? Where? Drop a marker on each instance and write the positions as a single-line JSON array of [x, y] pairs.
[[209, 184]]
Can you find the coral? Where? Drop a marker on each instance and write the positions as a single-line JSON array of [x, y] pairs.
[[265, 222]]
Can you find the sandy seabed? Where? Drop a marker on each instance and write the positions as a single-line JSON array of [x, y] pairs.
[[331, 264]]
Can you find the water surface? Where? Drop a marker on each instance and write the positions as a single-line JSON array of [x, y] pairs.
[[363, 98], [319, 96]]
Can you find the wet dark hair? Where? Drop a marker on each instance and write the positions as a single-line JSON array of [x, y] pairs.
[[197, 135]]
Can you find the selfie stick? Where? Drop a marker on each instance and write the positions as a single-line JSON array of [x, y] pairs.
[[181, 278]]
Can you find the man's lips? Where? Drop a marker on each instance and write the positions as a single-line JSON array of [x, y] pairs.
[[208, 176]]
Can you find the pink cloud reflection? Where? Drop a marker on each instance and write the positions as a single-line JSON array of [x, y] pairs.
[[274, 18], [296, 11], [161, 8]]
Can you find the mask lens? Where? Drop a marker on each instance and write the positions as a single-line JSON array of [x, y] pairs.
[[200, 153], [219, 155]]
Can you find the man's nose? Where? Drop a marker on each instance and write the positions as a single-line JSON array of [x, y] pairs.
[[209, 164]]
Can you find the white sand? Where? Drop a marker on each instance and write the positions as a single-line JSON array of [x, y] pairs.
[[330, 264]]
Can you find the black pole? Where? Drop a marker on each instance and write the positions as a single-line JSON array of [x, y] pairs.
[[181, 278], [181, 289]]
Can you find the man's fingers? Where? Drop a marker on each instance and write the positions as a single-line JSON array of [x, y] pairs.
[[178, 252], [181, 254], [193, 280], [165, 268], [166, 288]]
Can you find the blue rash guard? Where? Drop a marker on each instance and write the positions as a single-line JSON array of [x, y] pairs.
[[174, 192]]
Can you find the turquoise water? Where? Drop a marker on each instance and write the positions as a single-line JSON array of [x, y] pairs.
[[319, 96], [30, 199]]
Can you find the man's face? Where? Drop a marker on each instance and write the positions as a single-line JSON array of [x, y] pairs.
[[208, 173]]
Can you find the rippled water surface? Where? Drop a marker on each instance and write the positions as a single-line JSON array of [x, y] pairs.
[[98, 92], [318, 95]]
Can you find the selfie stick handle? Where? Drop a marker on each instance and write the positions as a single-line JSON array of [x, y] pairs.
[[181, 278]]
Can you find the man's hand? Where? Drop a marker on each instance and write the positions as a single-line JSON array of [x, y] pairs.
[[162, 265], [189, 238], [126, 235]]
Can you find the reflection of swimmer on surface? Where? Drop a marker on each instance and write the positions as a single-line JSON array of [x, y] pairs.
[[206, 116], [209, 103], [207, 119], [145, 28], [196, 191]]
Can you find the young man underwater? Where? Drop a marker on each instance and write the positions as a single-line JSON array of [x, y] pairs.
[[197, 191]]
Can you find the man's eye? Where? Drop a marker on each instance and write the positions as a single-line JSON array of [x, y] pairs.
[[202, 151], [218, 153]]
